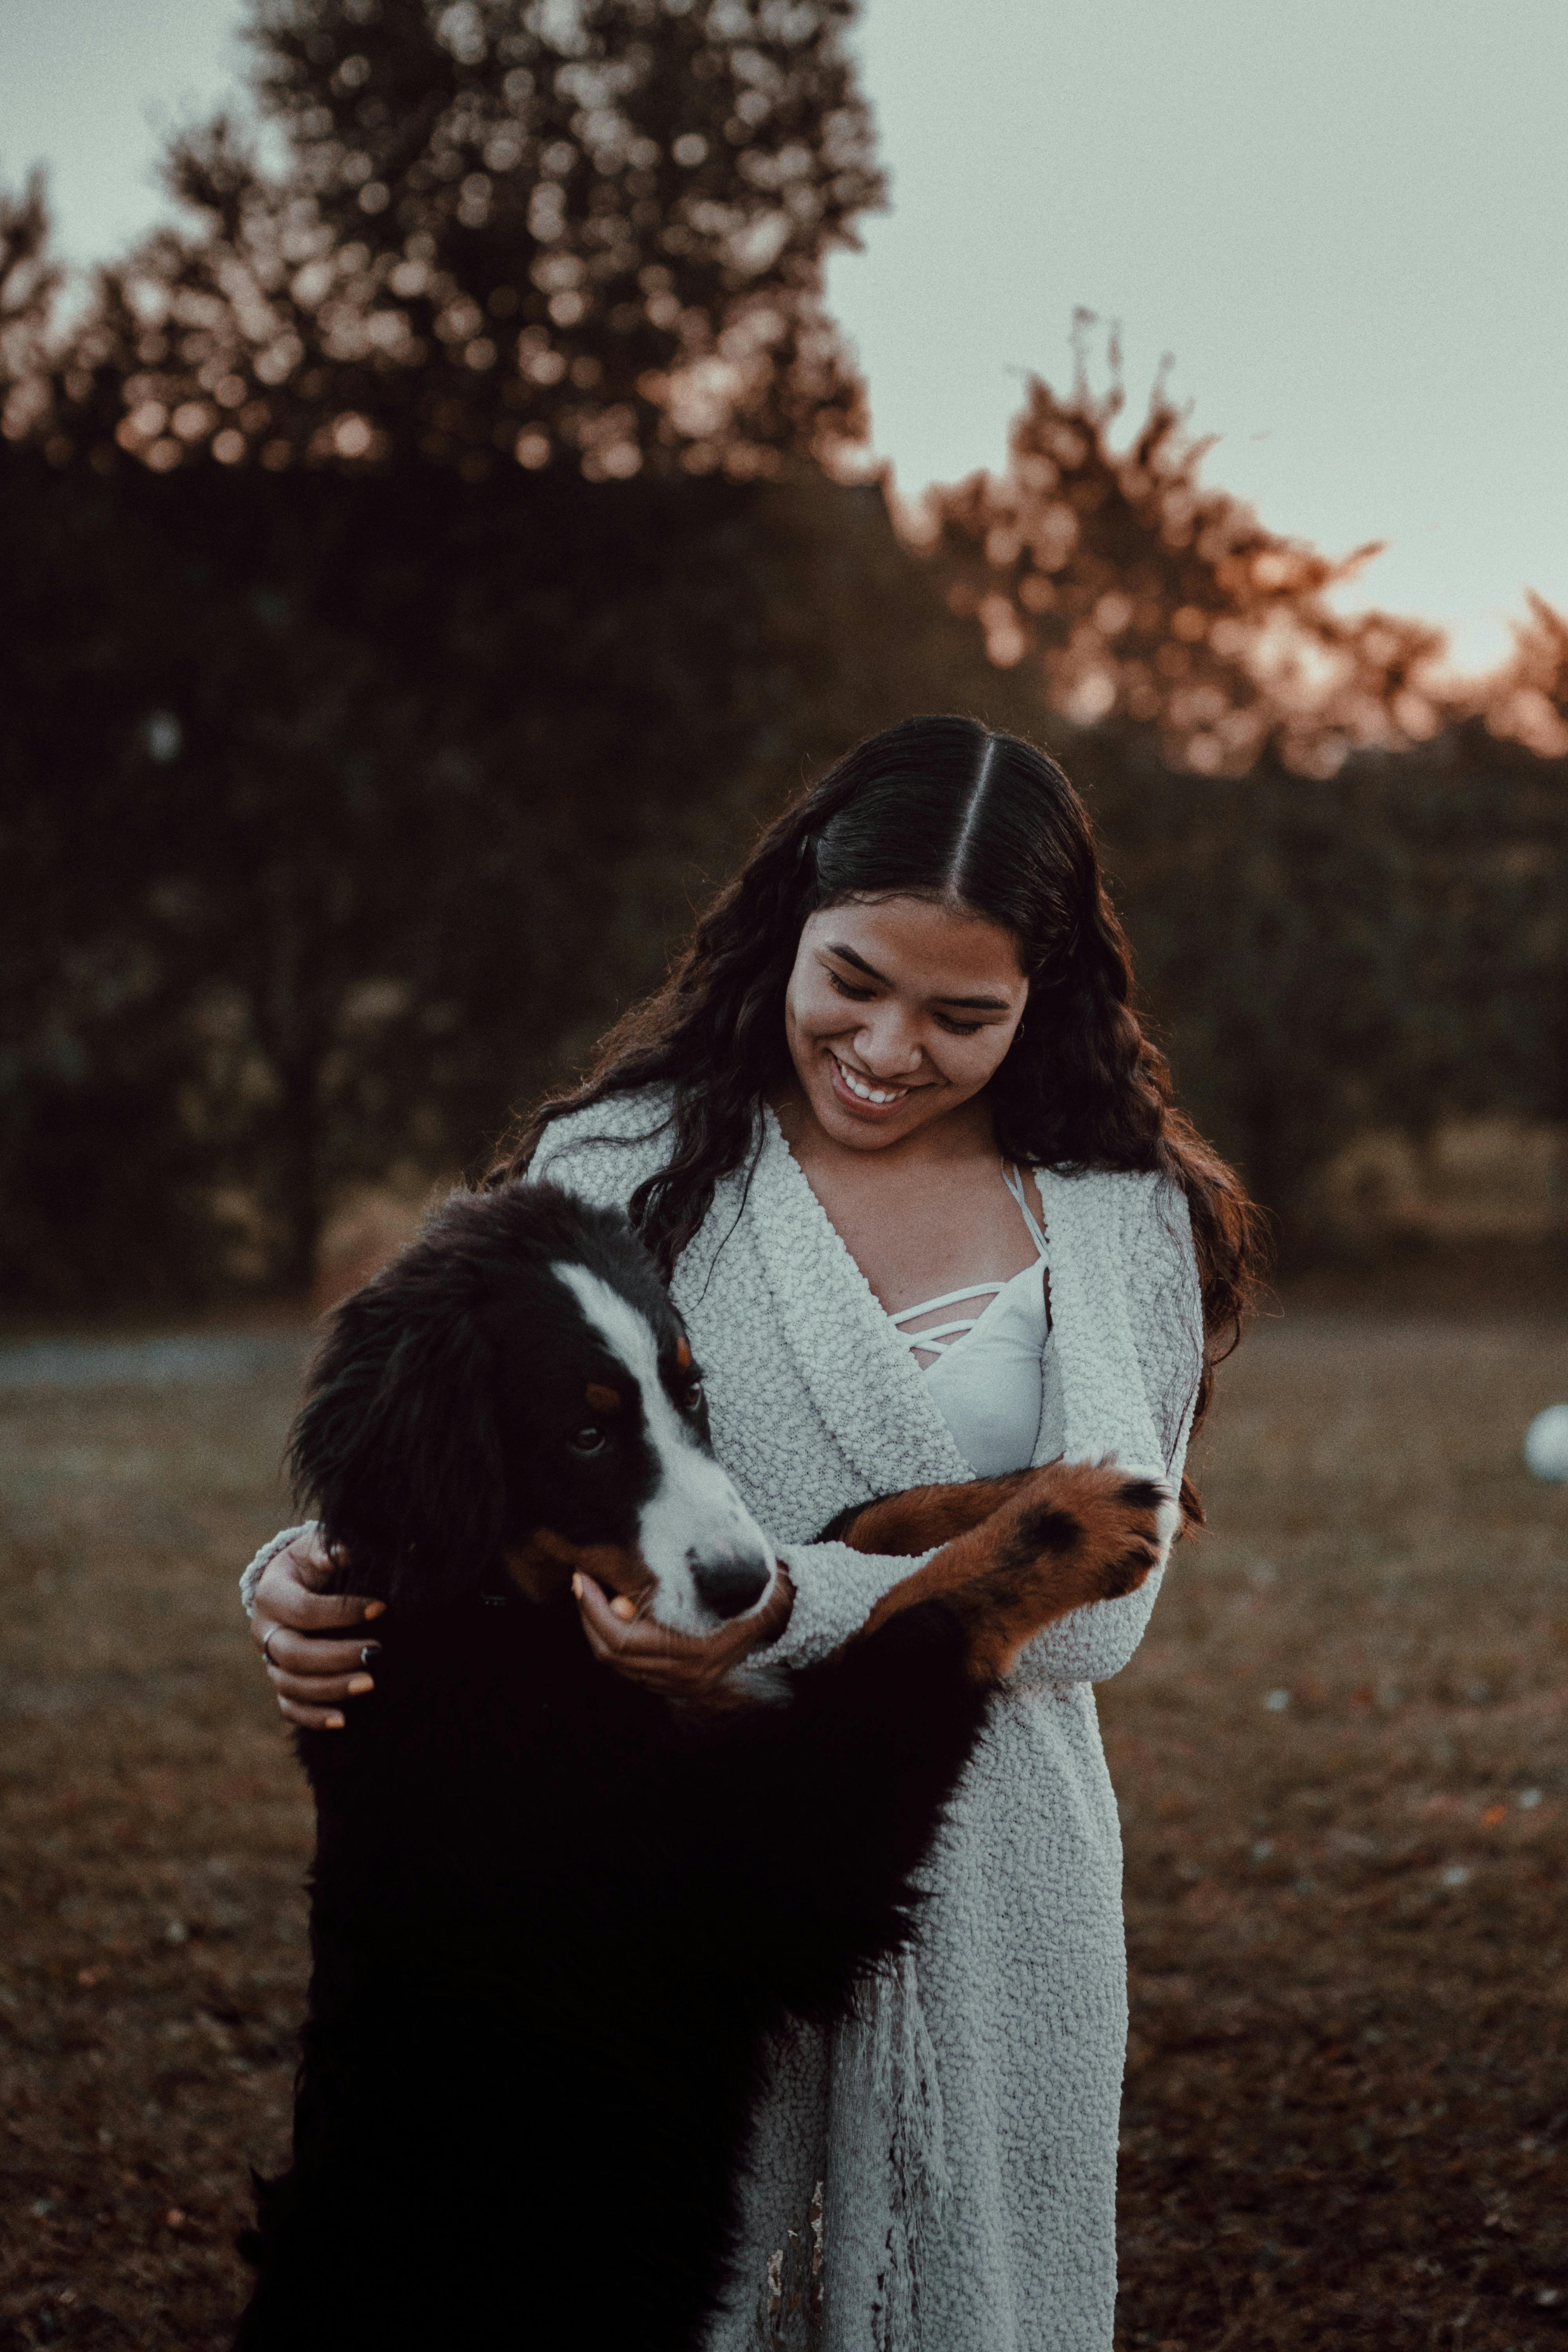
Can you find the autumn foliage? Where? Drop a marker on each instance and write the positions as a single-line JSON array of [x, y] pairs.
[[1140, 592]]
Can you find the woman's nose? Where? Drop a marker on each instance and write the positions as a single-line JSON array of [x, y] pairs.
[[889, 1047]]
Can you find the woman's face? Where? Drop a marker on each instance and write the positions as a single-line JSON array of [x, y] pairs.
[[897, 1011]]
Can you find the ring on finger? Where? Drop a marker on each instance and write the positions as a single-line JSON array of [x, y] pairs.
[[266, 1646]]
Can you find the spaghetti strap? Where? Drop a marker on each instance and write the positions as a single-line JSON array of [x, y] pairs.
[[948, 1298], [1013, 1179]]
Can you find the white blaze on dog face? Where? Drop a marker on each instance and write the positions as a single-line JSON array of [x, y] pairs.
[[699, 1541]]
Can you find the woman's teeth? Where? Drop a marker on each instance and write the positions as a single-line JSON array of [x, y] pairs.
[[859, 1087]]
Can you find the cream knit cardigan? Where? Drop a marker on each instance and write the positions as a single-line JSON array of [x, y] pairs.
[[964, 2137], [943, 2178]]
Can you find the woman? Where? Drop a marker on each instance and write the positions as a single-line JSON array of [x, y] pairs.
[[896, 1076]]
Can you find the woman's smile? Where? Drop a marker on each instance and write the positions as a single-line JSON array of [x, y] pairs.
[[861, 1092]]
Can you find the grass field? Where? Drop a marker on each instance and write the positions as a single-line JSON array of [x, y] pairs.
[[1343, 1771]]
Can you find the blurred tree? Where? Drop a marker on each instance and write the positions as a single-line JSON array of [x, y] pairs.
[[593, 230], [327, 864], [29, 281], [1143, 593], [1527, 700], [1385, 949]]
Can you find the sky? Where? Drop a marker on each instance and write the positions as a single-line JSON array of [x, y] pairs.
[[1345, 220]]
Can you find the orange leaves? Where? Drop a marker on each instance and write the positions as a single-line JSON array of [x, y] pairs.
[[1140, 590]]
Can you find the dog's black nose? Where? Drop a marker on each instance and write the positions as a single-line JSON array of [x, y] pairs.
[[730, 1583]]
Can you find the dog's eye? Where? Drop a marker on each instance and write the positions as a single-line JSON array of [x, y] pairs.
[[691, 1395], [587, 1440]]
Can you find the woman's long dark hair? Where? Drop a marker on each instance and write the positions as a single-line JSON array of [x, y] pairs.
[[938, 809]]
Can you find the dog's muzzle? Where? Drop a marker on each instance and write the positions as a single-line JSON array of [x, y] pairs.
[[731, 1583]]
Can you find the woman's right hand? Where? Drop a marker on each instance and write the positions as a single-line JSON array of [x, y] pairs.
[[293, 1615]]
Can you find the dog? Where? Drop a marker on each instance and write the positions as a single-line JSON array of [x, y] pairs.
[[552, 1926]]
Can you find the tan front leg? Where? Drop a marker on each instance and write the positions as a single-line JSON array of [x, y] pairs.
[[922, 1516], [1075, 1533]]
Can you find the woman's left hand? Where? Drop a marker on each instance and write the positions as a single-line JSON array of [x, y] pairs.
[[689, 1667]]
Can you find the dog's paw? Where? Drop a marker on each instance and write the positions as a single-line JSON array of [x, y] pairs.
[[1100, 1533], [1094, 1533]]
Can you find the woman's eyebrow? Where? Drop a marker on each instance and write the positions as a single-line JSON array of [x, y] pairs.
[[848, 955], [969, 1003]]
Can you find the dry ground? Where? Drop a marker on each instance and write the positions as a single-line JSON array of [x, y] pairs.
[[1345, 1909], [1344, 1774]]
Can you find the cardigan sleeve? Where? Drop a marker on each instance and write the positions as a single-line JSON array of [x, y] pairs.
[[1167, 1313], [1166, 1318], [836, 1589]]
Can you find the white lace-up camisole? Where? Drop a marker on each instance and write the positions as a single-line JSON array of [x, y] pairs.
[[990, 1361]]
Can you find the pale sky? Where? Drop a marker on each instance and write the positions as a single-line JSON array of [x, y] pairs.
[[1347, 219]]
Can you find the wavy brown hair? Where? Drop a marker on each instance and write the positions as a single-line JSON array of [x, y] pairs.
[[940, 808]]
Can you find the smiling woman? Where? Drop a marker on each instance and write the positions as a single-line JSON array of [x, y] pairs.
[[897, 1072]]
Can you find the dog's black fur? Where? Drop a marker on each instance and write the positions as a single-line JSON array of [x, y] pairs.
[[552, 1923]]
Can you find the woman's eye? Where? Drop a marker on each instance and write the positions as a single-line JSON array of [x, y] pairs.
[[586, 1441], [960, 1028], [859, 995]]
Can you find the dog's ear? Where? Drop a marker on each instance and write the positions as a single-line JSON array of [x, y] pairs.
[[399, 1447]]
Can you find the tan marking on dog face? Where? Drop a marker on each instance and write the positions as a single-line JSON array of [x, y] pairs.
[[602, 1399], [683, 1353], [544, 1563]]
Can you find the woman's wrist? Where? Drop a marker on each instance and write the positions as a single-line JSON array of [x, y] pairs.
[[268, 1552]]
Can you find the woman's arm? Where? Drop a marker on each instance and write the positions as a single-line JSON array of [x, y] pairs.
[[1166, 1316]]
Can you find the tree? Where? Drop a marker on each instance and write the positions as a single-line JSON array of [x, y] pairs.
[[588, 230], [29, 281], [1142, 593], [1527, 700]]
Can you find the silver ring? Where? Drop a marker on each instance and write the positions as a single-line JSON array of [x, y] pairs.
[[267, 1647]]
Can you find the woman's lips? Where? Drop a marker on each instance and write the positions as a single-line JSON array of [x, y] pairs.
[[876, 1102]]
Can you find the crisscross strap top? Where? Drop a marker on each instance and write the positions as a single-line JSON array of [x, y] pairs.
[[991, 1369], [938, 1337]]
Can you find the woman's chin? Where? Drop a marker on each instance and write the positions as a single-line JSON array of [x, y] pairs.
[[862, 1126]]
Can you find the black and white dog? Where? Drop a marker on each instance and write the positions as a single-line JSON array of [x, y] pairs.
[[551, 1926]]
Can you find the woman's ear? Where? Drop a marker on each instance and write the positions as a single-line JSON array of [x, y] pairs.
[[399, 1446]]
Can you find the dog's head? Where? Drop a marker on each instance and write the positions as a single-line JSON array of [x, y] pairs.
[[515, 1392]]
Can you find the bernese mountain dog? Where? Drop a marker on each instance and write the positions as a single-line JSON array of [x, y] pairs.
[[555, 1920]]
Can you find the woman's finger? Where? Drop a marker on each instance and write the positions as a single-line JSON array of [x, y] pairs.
[[313, 1563], [283, 1598], [310, 1718], [635, 1640], [321, 1690], [324, 1612], [678, 1664], [298, 1653]]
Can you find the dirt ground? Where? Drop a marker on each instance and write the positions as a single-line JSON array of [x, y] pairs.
[[1343, 1772]]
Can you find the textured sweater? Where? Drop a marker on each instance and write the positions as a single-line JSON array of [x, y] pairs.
[[942, 2176]]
